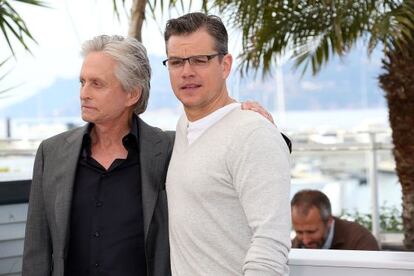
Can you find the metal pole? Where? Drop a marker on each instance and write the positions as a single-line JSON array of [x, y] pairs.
[[8, 127], [373, 182], [280, 106]]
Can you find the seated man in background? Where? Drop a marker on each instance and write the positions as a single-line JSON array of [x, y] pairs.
[[316, 228]]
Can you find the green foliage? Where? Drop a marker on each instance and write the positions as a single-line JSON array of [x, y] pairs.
[[390, 219], [312, 31], [12, 24], [3, 75]]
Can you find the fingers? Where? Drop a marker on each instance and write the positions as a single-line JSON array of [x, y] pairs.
[[256, 107], [249, 105]]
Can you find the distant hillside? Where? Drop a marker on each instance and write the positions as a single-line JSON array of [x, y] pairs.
[[341, 85], [61, 99], [350, 83]]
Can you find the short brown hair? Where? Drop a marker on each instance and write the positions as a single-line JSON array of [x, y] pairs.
[[192, 22], [304, 200]]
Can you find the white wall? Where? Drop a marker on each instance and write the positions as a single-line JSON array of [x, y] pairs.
[[309, 262]]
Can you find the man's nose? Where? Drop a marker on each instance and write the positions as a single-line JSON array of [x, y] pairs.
[[84, 92], [188, 69], [306, 239]]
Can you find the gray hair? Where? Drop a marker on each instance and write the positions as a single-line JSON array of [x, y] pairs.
[[192, 22], [304, 200], [133, 68]]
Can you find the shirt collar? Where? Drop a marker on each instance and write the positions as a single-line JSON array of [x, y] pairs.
[[329, 238], [130, 141]]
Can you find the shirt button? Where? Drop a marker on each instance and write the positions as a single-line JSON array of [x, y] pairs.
[[97, 234], [98, 203], [96, 264]]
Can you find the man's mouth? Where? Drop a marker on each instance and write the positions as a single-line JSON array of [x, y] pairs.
[[87, 107], [190, 86]]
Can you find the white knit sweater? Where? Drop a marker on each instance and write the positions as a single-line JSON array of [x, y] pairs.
[[228, 199]]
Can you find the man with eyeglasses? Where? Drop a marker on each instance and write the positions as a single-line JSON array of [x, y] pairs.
[[98, 202], [228, 180]]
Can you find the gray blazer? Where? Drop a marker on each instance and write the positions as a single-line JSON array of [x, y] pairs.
[[47, 228]]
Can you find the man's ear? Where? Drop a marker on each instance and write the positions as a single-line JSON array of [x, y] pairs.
[[330, 221], [134, 96], [227, 63]]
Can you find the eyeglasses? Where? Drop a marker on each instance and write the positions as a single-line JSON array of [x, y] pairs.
[[197, 61]]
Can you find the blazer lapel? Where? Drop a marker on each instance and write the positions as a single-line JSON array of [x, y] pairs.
[[65, 178], [152, 168], [151, 152]]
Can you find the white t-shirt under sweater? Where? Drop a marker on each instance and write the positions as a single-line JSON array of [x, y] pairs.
[[196, 128], [228, 199]]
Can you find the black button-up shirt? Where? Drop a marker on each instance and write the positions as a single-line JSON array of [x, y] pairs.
[[106, 227]]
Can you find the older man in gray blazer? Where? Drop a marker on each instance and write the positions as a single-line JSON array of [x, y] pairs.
[[98, 203]]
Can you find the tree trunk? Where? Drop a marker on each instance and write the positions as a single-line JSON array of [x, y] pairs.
[[398, 83], [137, 19]]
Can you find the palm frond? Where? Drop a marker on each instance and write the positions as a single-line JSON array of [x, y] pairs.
[[12, 24], [3, 75], [315, 30]]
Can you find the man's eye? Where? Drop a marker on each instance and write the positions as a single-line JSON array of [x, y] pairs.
[[97, 84], [199, 60], [175, 62]]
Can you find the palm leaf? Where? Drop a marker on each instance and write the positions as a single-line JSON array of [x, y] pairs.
[[115, 7], [2, 76], [12, 24], [315, 30]]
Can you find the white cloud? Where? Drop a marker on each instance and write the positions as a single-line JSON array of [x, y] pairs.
[[313, 86]]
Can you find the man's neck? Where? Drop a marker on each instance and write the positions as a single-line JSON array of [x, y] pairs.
[[107, 141], [111, 133], [197, 113]]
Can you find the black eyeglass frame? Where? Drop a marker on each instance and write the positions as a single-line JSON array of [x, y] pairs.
[[209, 57]]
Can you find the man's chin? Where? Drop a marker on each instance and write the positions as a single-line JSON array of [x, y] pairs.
[[312, 246], [87, 119]]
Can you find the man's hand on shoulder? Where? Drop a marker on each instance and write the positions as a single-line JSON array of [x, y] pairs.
[[256, 107]]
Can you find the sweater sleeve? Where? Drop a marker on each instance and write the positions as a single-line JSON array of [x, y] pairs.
[[259, 164]]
